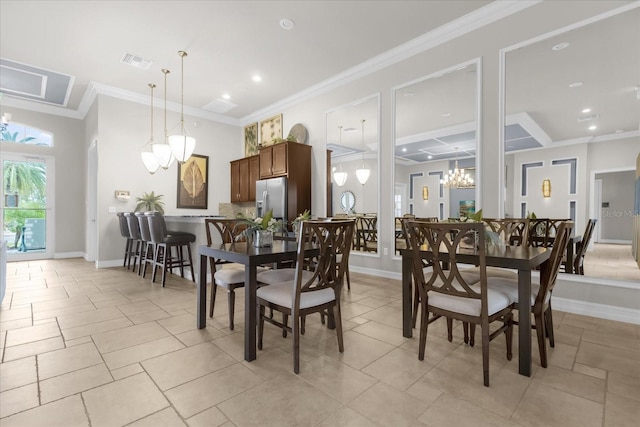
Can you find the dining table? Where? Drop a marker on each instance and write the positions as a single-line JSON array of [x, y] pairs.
[[524, 259], [251, 257]]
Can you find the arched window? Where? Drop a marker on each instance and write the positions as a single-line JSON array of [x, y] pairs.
[[23, 134]]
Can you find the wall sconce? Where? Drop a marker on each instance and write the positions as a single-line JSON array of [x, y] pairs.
[[425, 193], [546, 188]]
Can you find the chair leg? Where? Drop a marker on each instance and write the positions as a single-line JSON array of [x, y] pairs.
[[424, 324], [465, 329], [542, 344], [509, 335], [285, 320], [165, 262], [472, 334], [295, 324], [180, 260], [338, 317], [485, 353], [231, 296], [260, 325], [193, 276], [348, 280], [127, 250], [449, 329], [548, 319], [156, 263], [416, 303]]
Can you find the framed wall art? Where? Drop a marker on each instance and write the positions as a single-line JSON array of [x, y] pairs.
[[193, 189], [251, 139], [270, 129]]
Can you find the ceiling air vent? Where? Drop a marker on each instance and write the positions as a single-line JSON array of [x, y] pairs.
[[135, 61]]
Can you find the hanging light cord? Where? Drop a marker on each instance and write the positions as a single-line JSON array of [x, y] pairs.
[[151, 85], [165, 71], [182, 54]]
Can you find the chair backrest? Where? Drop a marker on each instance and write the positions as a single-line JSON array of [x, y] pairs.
[[512, 231], [124, 225], [549, 274], [444, 241], [333, 240], [225, 230], [134, 226], [539, 232], [145, 233], [582, 247], [157, 226]]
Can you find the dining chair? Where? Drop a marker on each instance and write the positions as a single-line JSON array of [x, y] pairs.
[[541, 292], [445, 293], [137, 245], [124, 232], [512, 231], [582, 246], [367, 237], [164, 243], [227, 275], [316, 294], [148, 248]]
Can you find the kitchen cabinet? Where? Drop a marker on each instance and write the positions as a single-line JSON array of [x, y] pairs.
[[293, 161], [244, 174]]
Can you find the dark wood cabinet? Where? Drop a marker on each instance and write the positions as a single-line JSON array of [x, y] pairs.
[[274, 159], [244, 174]]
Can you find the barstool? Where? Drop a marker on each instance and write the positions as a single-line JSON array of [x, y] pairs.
[[148, 248], [134, 232], [163, 243], [124, 231]]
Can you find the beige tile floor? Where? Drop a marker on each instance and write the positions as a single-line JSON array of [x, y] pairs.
[[105, 348], [611, 261]]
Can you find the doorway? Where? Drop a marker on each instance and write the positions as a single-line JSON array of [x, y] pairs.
[[27, 206]]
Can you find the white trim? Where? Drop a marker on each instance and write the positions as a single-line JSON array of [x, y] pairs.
[[602, 311], [64, 255], [615, 241], [598, 281]]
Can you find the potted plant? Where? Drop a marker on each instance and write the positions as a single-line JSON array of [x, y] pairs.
[[261, 229], [150, 202], [304, 216]]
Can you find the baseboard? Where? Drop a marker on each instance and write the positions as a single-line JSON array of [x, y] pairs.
[[615, 242], [619, 314], [62, 255], [375, 272]]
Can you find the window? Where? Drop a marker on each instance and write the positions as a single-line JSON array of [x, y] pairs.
[[22, 134]]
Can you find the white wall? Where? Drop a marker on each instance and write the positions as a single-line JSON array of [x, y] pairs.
[[616, 220]]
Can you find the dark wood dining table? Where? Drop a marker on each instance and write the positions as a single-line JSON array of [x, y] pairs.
[[251, 257], [521, 258]]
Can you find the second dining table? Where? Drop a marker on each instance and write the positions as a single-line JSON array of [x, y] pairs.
[[521, 258], [251, 257]]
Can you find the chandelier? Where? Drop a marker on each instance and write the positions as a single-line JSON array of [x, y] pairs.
[[456, 178], [182, 145], [148, 158], [363, 173], [340, 176]]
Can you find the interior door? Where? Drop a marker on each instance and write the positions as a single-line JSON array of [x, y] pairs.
[[27, 206]]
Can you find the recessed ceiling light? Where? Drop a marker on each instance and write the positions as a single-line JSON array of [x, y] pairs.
[[404, 150], [619, 130], [429, 157], [256, 78], [226, 96], [287, 23], [586, 110], [593, 127], [575, 84], [446, 114], [560, 46]]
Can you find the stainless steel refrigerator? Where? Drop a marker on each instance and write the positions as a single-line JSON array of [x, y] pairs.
[[272, 194]]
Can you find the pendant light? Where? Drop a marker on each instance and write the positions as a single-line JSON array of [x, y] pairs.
[[339, 176], [182, 145], [162, 152], [363, 173], [148, 158]]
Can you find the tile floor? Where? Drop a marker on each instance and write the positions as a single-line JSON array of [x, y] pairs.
[[103, 347], [611, 261]]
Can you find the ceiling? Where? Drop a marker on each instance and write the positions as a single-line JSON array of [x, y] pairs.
[[81, 44], [227, 42]]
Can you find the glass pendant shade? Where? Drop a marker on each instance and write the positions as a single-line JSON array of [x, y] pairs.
[[182, 145], [163, 155], [150, 162], [340, 178], [363, 174]]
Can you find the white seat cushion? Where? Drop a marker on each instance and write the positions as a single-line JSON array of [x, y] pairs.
[[279, 275], [491, 272], [230, 275], [510, 288], [496, 301], [282, 294]]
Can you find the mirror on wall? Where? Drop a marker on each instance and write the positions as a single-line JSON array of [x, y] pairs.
[[572, 105], [352, 138], [436, 121]]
